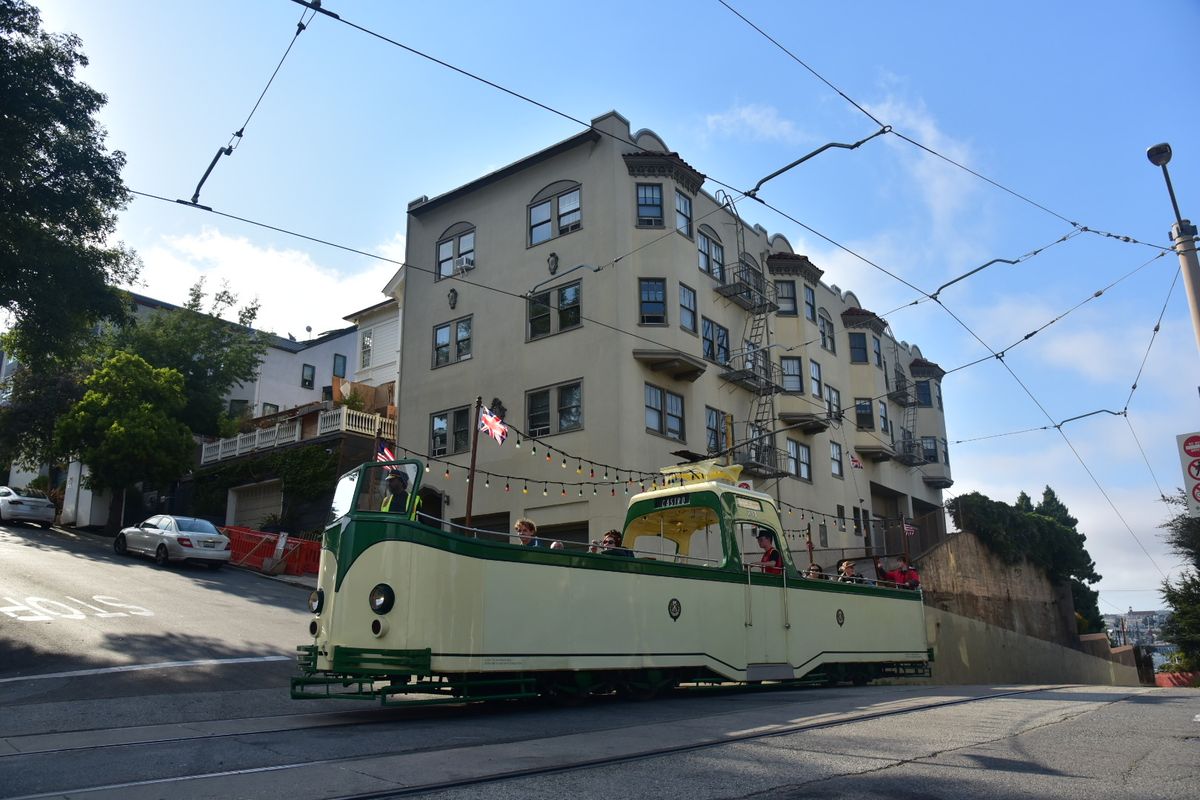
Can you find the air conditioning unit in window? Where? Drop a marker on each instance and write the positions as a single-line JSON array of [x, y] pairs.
[[463, 263]]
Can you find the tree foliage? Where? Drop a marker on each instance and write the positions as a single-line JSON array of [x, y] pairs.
[[1045, 535], [60, 191], [1183, 596], [125, 428], [211, 354]]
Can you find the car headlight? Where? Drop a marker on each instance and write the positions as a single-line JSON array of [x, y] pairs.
[[316, 601], [382, 598]]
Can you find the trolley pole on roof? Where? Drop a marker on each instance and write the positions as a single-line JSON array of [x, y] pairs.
[[474, 450]]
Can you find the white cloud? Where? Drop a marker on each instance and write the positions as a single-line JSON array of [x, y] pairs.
[[294, 291], [756, 122]]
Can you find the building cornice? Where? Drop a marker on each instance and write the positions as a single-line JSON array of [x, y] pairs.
[[664, 165], [861, 318], [920, 368], [792, 264]]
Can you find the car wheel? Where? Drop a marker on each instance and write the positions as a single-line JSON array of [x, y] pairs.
[[119, 545], [215, 565], [46, 525], [160, 555]]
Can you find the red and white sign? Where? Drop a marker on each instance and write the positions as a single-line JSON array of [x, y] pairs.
[[1189, 459]]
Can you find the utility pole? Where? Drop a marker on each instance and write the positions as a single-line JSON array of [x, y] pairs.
[[1183, 235]]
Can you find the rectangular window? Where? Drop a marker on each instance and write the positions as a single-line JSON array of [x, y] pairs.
[[929, 449], [835, 464], [452, 342], [793, 375], [841, 518], [270, 408], [864, 416], [814, 377], [714, 430], [555, 409], [664, 412], [238, 407], [540, 225], [938, 389], [649, 205], [945, 452], [799, 460], [448, 431], [884, 425], [570, 215], [555, 216], [687, 308], [308, 376], [364, 359], [825, 324], [683, 214], [878, 348], [652, 301], [858, 347], [810, 304], [455, 254], [924, 397], [555, 311], [833, 402], [711, 257], [715, 339], [856, 514], [785, 296], [339, 365]]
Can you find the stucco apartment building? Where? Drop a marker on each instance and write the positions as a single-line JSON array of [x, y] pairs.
[[628, 318]]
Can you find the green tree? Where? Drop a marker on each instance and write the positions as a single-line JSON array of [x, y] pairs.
[[1183, 596], [60, 191], [125, 428], [212, 354]]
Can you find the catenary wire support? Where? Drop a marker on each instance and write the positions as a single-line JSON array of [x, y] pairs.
[[817, 152]]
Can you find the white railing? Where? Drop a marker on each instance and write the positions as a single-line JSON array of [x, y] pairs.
[[336, 420]]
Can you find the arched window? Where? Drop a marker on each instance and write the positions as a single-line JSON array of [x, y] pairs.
[[554, 211], [825, 325], [456, 250]]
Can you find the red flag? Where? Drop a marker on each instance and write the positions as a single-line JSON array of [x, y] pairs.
[[490, 424]]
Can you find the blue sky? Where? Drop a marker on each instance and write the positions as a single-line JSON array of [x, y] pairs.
[[1057, 102]]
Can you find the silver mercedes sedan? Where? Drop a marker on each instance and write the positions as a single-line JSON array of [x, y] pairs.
[[169, 538]]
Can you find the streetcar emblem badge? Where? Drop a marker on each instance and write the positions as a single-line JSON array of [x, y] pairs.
[[841, 618], [674, 609]]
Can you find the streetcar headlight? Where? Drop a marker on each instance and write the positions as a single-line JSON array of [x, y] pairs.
[[316, 601], [382, 598]]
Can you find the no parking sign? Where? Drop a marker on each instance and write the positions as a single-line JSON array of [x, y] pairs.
[[1189, 458]]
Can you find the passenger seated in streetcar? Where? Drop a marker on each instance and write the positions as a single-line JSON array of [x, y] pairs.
[[556, 545], [610, 545], [847, 574], [772, 560], [527, 532], [814, 573], [903, 576]]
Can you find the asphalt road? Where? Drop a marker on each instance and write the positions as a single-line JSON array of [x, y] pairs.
[[119, 679]]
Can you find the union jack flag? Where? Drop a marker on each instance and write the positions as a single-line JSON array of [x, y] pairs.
[[384, 453], [855, 462], [492, 425]]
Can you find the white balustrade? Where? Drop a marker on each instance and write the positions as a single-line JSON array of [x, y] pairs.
[[288, 432], [245, 442], [266, 437], [229, 448], [210, 453]]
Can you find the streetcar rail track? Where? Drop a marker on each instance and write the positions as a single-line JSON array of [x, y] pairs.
[[610, 758]]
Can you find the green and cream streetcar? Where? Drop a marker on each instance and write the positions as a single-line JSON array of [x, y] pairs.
[[406, 608]]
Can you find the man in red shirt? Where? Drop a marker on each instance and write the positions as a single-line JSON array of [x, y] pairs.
[[771, 561], [903, 576]]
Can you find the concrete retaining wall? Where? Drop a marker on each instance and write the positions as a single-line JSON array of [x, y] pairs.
[[971, 651]]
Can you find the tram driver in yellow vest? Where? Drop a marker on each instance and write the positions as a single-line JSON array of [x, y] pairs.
[[397, 495]]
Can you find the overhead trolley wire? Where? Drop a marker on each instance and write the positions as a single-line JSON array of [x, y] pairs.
[[235, 138]]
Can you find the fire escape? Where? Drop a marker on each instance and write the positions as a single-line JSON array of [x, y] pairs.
[[902, 392], [750, 367]]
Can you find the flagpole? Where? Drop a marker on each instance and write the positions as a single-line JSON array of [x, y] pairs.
[[474, 450]]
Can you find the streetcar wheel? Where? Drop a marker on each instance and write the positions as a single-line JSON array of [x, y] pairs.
[[160, 556], [119, 546]]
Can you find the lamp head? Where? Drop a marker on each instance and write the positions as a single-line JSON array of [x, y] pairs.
[[1159, 154]]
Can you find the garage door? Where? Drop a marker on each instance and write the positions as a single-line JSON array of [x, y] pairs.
[[253, 504]]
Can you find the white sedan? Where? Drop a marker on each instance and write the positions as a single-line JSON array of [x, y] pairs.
[[25, 505], [169, 538]]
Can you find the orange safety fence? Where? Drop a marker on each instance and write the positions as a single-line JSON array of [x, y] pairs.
[[250, 548]]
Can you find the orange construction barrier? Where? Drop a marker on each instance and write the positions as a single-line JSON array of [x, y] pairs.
[[251, 548]]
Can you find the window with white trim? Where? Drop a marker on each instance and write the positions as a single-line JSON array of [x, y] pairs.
[[366, 339], [793, 373], [308, 376]]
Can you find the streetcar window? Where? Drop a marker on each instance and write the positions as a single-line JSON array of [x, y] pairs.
[[343, 497], [683, 534]]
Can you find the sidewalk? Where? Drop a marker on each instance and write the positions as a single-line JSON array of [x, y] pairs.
[[306, 581]]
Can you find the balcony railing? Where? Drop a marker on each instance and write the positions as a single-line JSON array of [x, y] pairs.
[[746, 286], [754, 372], [761, 460], [336, 420]]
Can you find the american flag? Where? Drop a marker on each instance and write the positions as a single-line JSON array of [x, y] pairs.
[[490, 424], [910, 530], [384, 453], [855, 462]]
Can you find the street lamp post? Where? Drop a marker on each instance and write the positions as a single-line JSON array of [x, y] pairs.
[[1183, 235]]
